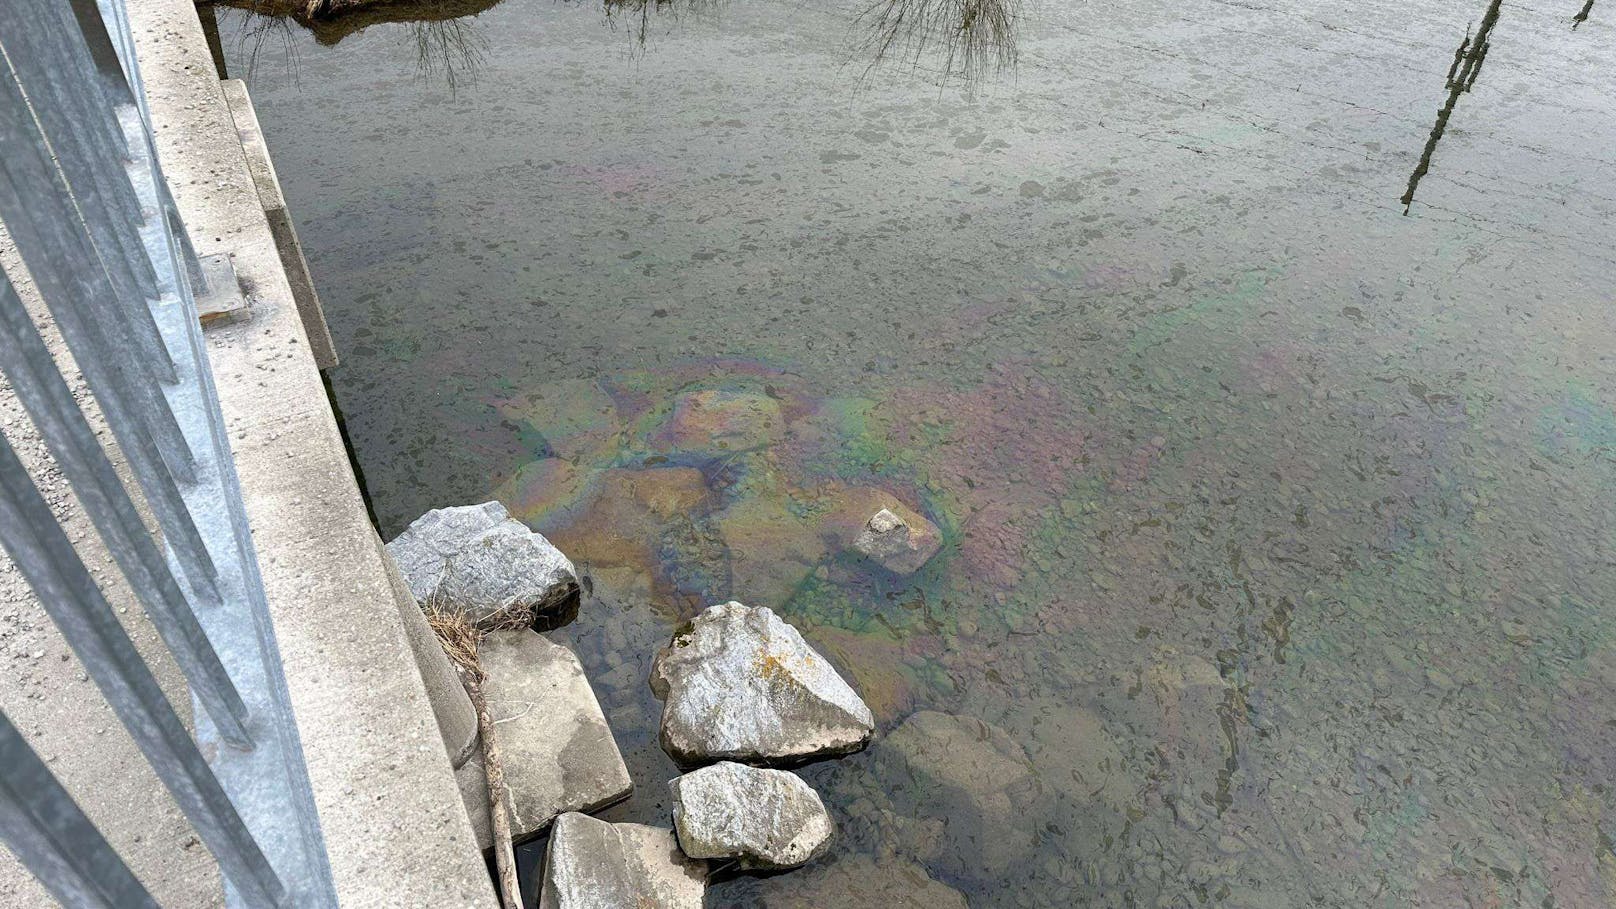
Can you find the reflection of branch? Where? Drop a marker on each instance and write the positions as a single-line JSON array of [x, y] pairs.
[[1467, 60], [450, 48], [637, 13], [975, 36], [259, 26]]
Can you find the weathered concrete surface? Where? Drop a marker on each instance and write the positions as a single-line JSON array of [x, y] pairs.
[[740, 684], [281, 227], [457, 718], [591, 864], [558, 753], [391, 812], [478, 560], [768, 819]]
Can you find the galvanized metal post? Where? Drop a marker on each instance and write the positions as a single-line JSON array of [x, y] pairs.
[[46, 828], [41, 550], [84, 200]]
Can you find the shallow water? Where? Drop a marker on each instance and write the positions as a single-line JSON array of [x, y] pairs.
[[1277, 521]]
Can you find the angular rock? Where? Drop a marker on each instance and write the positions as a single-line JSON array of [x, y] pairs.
[[478, 560], [591, 864], [740, 684], [858, 882], [895, 543], [557, 751], [873, 523], [768, 819], [974, 776]]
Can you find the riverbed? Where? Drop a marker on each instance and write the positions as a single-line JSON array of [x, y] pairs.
[[1253, 360]]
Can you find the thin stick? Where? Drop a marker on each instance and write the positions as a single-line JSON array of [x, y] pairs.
[[499, 809], [460, 640]]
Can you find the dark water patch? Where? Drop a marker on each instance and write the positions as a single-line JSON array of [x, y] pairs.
[[1466, 66]]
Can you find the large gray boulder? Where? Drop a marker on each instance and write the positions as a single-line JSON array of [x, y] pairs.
[[740, 684], [591, 864], [858, 882], [768, 819], [557, 752], [478, 560], [976, 779]]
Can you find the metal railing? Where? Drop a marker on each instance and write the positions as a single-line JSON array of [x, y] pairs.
[[85, 204]]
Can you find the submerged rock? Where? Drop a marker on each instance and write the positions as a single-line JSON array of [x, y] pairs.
[[974, 776], [558, 753], [896, 544], [478, 560], [873, 523], [771, 550], [740, 684], [858, 882], [721, 420], [592, 864], [769, 819]]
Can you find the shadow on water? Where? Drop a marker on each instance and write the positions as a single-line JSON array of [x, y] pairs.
[[1462, 73]]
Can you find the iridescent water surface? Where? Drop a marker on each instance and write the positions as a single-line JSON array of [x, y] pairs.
[[1278, 520]]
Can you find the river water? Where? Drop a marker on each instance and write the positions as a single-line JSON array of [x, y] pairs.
[[1277, 513]]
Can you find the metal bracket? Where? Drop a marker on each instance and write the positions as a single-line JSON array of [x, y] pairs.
[[219, 300]]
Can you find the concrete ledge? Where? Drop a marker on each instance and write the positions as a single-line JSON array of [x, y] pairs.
[[281, 227]]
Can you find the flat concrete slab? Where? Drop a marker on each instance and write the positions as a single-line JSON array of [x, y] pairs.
[[595, 865], [558, 752]]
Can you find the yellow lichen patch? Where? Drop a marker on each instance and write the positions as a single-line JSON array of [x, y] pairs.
[[771, 667]]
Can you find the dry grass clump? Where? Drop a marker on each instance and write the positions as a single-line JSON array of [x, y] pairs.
[[458, 636]]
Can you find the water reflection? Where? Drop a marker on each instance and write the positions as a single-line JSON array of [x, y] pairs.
[[971, 38], [331, 22], [1466, 66], [637, 16], [967, 39], [447, 46]]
